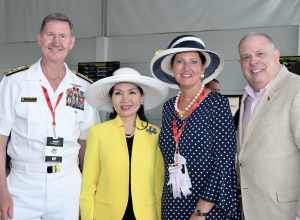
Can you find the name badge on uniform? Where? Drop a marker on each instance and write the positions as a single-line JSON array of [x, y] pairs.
[[75, 98], [53, 150], [28, 99]]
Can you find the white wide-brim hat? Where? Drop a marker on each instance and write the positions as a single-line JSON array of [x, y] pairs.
[[161, 63], [97, 94]]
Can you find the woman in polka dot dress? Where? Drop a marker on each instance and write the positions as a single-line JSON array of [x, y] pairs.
[[197, 137]]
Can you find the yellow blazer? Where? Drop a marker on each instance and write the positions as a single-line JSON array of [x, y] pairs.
[[105, 182]]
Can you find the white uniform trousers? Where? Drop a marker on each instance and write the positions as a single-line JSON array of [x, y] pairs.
[[38, 194]]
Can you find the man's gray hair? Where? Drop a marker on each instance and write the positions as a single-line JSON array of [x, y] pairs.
[[251, 34], [57, 16]]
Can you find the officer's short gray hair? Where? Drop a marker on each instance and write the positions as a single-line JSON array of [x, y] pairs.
[[57, 16]]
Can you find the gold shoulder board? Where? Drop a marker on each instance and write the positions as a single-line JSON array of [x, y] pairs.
[[84, 77], [16, 70]]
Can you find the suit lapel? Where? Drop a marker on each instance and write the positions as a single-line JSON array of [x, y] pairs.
[[261, 109], [240, 126], [141, 133]]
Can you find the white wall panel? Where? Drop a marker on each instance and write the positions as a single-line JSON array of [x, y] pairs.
[[16, 54], [141, 48], [24, 17], [2, 21], [84, 51], [130, 17]]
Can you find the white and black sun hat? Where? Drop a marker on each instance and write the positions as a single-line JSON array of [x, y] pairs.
[[160, 63]]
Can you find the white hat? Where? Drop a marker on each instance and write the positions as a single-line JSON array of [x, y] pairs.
[[161, 62], [154, 91]]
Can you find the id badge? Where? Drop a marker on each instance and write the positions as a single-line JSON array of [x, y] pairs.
[[176, 167], [179, 165], [53, 149], [179, 177]]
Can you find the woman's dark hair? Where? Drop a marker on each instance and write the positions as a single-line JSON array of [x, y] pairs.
[[202, 57], [140, 112]]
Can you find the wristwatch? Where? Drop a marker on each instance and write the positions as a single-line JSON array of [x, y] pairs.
[[199, 212]]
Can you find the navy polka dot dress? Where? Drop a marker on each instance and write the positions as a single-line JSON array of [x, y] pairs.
[[208, 144]]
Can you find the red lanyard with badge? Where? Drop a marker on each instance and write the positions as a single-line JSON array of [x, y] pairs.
[[179, 177], [53, 151]]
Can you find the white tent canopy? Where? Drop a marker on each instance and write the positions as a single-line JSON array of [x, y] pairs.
[[21, 19]]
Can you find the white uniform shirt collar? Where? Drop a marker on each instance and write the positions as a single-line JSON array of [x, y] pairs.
[[38, 75]]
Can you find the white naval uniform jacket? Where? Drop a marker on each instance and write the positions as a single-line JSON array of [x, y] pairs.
[[30, 122]]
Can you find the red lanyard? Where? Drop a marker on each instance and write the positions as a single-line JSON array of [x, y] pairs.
[[52, 110], [177, 132]]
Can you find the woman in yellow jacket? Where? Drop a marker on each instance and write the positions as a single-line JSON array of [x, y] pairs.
[[123, 167]]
